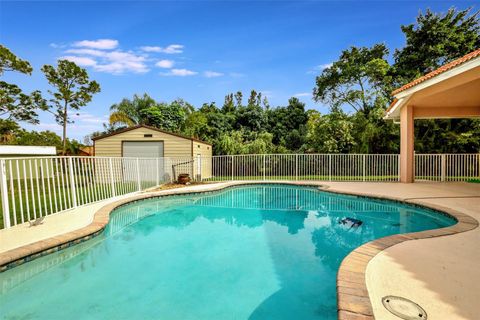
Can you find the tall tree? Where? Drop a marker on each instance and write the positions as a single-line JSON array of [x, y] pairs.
[[8, 130], [228, 105], [288, 124], [434, 40], [330, 133], [355, 80], [14, 104], [129, 113], [238, 98], [73, 91]]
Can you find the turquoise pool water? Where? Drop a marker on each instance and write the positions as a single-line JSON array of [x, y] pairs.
[[249, 252]]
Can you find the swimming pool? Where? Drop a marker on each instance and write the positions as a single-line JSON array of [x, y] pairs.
[[246, 252]]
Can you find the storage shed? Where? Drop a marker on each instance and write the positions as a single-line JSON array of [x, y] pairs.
[[186, 154]]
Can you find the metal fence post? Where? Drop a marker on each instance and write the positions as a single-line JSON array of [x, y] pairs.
[[4, 192], [72, 182], [112, 181], [398, 167], [232, 167], [443, 167], [264, 167], [138, 176], [329, 167], [296, 166], [364, 167]]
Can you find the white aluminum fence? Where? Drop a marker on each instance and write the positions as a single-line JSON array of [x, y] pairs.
[[36, 187], [447, 167], [342, 167], [319, 167]]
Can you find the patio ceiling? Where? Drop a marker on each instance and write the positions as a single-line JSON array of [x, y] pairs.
[[452, 94]]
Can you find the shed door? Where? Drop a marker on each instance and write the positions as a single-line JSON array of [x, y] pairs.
[[143, 149], [148, 170]]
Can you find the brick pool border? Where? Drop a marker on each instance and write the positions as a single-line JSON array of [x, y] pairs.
[[353, 301]]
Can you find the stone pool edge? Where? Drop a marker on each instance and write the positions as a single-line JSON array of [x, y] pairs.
[[353, 301]]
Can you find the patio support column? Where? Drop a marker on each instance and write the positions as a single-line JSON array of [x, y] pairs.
[[406, 144]]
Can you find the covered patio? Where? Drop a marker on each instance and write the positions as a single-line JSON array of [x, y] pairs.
[[452, 91]]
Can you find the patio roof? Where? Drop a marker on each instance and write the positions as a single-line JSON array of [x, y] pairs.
[[450, 91]]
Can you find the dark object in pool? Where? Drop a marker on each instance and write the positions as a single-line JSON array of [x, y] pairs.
[[183, 178], [352, 222]]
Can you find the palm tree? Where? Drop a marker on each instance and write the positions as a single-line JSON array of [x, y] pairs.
[[129, 112]]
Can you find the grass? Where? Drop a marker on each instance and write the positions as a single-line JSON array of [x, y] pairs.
[[62, 196]]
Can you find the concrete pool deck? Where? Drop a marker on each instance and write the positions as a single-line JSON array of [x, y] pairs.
[[441, 274]]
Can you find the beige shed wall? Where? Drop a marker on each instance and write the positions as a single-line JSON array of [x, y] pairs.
[[173, 146], [205, 152]]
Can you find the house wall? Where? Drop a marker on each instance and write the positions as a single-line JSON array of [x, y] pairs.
[[173, 146]]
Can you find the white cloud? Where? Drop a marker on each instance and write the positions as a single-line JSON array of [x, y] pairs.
[[237, 75], [120, 62], [167, 64], [81, 61], [104, 55], [212, 74], [151, 49], [320, 68], [171, 49], [57, 45], [103, 44], [302, 94], [179, 73], [115, 62], [90, 52]]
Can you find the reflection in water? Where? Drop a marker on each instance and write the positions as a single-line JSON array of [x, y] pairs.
[[252, 252]]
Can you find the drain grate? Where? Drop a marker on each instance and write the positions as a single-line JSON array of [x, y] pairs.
[[404, 308]]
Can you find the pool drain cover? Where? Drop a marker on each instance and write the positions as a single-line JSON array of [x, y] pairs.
[[404, 308]]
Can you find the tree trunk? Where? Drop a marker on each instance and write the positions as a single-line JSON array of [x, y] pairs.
[[64, 151]]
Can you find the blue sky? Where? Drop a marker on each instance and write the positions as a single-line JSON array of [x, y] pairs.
[[199, 50]]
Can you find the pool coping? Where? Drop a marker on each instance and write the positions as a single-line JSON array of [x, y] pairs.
[[353, 301]]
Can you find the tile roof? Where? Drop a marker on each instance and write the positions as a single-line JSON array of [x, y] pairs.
[[438, 71]]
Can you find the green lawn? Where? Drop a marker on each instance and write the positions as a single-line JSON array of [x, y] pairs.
[[85, 192]]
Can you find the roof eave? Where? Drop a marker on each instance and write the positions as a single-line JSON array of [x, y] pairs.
[[456, 70]]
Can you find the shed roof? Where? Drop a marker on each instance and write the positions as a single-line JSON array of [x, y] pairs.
[[151, 128]]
